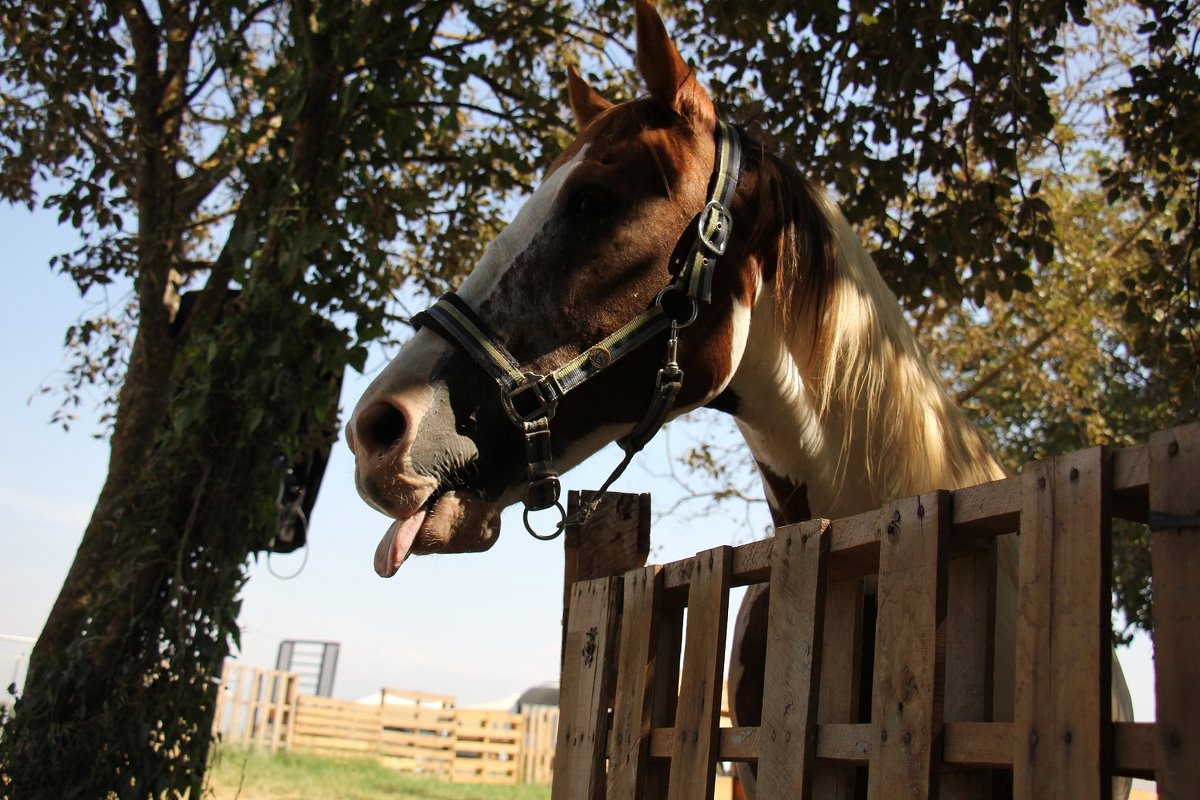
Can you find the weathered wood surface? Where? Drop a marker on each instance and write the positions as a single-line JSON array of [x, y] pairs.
[[586, 690], [906, 705], [1063, 714], [630, 739], [929, 734], [787, 740], [1175, 556], [693, 757]]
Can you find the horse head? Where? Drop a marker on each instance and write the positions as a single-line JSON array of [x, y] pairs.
[[592, 249]]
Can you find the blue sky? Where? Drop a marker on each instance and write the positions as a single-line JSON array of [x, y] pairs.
[[475, 626]]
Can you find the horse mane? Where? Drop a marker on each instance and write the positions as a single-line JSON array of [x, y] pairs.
[[854, 347]]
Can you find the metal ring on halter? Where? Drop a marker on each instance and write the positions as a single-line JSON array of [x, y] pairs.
[[545, 537], [658, 301]]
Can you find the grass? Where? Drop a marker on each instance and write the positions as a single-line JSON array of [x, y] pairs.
[[241, 774]]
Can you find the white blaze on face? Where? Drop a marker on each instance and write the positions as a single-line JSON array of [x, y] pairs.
[[517, 236]]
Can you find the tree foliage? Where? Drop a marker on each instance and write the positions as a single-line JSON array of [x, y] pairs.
[[292, 163]]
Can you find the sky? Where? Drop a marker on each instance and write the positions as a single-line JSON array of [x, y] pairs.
[[479, 627]]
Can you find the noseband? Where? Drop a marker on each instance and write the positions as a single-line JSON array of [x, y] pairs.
[[530, 399]]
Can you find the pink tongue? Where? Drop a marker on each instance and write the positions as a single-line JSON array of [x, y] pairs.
[[396, 544]]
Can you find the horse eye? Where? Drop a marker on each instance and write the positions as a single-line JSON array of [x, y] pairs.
[[592, 202]]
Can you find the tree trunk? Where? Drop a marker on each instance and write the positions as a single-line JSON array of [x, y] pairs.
[[121, 685]]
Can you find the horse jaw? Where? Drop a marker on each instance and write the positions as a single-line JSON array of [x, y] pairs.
[[448, 523]]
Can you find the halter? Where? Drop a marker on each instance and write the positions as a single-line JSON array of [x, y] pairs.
[[530, 399]]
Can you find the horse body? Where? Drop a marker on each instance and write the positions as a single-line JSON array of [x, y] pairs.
[[802, 342]]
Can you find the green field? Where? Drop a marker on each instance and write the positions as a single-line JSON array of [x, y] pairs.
[[254, 775]]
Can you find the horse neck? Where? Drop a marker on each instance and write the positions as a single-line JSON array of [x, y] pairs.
[[854, 416]]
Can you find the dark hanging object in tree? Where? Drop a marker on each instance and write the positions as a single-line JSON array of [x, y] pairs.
[[297, 496], [301, 478]]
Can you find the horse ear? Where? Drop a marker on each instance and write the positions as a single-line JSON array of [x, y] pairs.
[[669, 79], [586, 102]]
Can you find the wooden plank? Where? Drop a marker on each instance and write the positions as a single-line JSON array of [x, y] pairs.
[[793, 663], [280, 711], [1063, 704], [733, 744], [978, 744], [752, 562], [906, 705], [615, 539], [970, 622], [293, 702], [987, 509], [845, 743], [635, 667], [586, 689], [665, 700], [1175, 557], [738, 744], [1134, 749], [841, 673], [970, 657], [693, 759]]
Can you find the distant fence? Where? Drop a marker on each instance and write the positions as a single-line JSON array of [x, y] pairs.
[[256, 706], [414, 732]]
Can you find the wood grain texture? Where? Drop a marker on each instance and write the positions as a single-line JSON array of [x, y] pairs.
[[970, 658], [793, 664], [1064, 668], [586, 689], [693, 758], [841, 671], [629, 741], [906, 706], [1175, 557]]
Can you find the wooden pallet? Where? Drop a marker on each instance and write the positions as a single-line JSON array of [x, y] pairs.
[[640, 697]]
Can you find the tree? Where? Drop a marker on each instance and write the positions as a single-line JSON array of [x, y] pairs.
[[291, 162]]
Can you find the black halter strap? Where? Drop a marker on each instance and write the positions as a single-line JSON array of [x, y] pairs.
[[530, 399]]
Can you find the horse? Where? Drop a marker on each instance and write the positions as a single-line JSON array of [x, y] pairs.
[[667, 261]]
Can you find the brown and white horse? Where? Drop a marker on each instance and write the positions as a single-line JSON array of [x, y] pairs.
[[802, 343]]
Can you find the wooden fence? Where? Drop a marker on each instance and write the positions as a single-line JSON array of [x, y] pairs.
[[256, 706], [641, 692], [414, 732]]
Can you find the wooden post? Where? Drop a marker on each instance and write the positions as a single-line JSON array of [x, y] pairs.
[[788, 734], [970, 657], [635, 674], [1062, 731], [615, 540], [693, 755], [1175, 555], [906, 702], [841, 672], [587, 686]]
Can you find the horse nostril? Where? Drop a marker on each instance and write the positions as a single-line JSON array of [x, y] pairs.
[[380, 426]]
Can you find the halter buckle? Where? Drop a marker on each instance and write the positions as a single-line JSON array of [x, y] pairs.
[[542, 493], [715, 245], [520, 407]]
